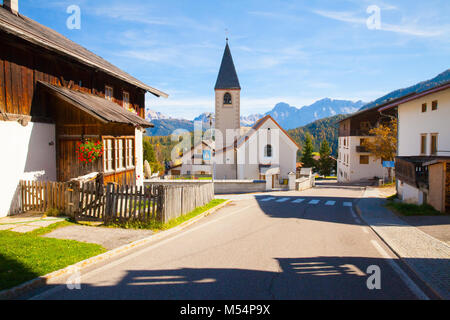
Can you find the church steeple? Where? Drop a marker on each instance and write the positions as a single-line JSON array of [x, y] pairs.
[[227, 78]]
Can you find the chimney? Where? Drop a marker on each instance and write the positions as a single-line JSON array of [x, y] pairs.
[[11, 5]]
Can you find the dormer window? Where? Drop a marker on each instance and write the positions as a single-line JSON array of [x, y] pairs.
[[109, 93], [227, 98]]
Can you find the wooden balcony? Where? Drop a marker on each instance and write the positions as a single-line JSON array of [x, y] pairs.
[[411, 171], [361, 149]]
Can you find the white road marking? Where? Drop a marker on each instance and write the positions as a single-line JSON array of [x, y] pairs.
[[314, 202], [135, 254], [298, 200], [282, 200], [268, 199], [348, 204], [406, 279], [330, 203]]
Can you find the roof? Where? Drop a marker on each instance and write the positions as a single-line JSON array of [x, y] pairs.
[[414, 96], [227, 78], [240, 141], [33, 32], [100, 108]]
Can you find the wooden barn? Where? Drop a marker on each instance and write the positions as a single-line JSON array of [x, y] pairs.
[[54, 95]]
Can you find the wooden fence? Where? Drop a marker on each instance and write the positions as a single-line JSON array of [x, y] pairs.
[[94, 201], [41, 196]]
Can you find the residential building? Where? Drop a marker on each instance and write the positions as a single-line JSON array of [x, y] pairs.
[[53, 94], [354, 162], [423, 162]]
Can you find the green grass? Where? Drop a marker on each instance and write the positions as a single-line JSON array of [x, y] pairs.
[[407, 209], [24, 257], [158, 226]]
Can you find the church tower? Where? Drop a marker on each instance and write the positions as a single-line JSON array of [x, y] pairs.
[[228, 95]]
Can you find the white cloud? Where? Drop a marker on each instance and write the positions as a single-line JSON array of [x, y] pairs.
[[407, 28]]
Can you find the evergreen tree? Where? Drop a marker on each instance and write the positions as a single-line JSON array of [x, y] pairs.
[[325, 163], [307, 153]]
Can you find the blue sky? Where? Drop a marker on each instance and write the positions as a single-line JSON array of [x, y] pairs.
[[295, 51]]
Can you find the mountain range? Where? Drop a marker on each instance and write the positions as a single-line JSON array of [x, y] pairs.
[[440, 79], [289, 117]]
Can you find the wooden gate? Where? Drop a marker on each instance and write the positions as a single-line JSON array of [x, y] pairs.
[[91, 202]]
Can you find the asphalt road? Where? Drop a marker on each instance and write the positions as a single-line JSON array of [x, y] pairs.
[[295, 245]]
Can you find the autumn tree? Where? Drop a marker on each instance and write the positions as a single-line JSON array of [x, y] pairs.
[[383, 143]]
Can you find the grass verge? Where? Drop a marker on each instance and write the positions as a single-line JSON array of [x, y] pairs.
[[25, 256], [407, 209], [158, 226]]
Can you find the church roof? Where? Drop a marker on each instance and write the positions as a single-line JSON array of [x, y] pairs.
[[227, 78]]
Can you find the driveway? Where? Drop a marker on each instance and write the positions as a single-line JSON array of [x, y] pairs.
[[281, 245]]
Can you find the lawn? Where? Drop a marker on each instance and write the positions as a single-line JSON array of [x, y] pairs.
[[158, 226], [407, 209], [24, 257]]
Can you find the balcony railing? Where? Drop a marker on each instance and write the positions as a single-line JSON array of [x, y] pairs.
[[361, 149], [411, 171]]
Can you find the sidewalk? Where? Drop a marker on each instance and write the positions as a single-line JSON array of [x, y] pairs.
[[428, 257]]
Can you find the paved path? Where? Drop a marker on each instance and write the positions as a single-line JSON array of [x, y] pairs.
[[256, 248], [426, 255], [27, 222], [109, 238]]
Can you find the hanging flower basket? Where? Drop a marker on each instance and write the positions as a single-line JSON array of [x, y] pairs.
[[89, 151]]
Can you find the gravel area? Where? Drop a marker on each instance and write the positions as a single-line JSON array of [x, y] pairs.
[[109, 238]]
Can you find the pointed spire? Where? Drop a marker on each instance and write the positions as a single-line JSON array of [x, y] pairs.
[[227, 78]]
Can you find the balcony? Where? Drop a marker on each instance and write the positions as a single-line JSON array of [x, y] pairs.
[[361, 149], [412, 171]]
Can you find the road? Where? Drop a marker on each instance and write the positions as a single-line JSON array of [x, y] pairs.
[[285, 245]]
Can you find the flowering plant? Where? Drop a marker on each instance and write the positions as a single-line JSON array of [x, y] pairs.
[[89, 151]]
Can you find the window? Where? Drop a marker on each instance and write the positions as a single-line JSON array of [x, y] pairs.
[[423, 144], [108, 155], [130, 153], [362, 141], [424, 107], [227, 98], [109, 93], [363, 159], [126, 100], [268, 151], [434, 105], [119, 153], [434, 143]]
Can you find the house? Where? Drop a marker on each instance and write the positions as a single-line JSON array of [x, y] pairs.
[[196, 161], [54, 94], [265, 150], [422, 164], [355, 162]]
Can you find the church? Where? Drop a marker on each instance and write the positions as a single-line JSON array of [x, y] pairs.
[[264, 151]]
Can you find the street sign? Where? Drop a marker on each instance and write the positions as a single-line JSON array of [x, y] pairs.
[[206, 155], [388, 164]]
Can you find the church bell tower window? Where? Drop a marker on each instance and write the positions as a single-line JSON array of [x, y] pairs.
[[227, 98]]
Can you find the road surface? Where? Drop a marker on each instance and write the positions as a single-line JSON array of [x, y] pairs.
[[285, 245]]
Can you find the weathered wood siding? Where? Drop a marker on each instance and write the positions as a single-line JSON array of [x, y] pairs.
[[22, 65]]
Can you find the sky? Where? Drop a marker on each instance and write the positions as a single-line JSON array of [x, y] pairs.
[[296, 51]]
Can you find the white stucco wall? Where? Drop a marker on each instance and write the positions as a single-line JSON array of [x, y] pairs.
[[139, 150], [349, 162], [26, 154], [284, 152], [412, 123]]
